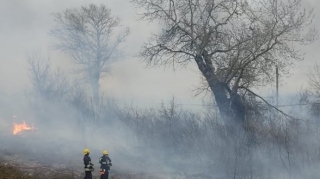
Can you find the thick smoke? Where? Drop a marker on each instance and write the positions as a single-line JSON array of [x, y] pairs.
[[168, 141]]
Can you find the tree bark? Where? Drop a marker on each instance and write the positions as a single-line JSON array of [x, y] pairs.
[[230, 104], [95, 86]]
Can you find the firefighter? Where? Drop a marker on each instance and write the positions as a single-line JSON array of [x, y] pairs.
[[105, 162], [88, 166]]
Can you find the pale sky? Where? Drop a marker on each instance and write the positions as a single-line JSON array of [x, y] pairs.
[[25, 25]]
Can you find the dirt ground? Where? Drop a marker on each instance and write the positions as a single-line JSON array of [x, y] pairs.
[[8, 171], [15, 167]]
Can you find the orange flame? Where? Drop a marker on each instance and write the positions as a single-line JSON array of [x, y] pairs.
[[18, 128]]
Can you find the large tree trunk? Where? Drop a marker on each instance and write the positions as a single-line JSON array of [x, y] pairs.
[[94, 73], [231, 107], [95, 86]]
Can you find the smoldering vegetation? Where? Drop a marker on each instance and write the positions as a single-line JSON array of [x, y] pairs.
[[168, 141], [269, 145], [63, 116]]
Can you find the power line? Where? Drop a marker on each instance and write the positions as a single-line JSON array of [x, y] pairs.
[[203, 105], [287, 105], [303, 74], [197, 104]]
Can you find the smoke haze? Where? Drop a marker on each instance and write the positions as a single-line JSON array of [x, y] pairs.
[[140, 125]]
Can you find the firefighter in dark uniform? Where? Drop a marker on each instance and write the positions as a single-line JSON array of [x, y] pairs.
[[88, 166], [105, 162]]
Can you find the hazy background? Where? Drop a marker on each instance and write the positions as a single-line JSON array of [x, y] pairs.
[[24, 27]]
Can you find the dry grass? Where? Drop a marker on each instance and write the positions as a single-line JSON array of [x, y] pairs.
[[8, 171]]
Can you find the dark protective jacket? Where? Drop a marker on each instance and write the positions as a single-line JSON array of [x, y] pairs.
[[86, 161], [105, 162]]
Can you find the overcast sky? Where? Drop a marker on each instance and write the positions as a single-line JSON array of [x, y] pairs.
[[25, 25]]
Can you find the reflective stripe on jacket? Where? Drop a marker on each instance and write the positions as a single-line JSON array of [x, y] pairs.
[[104, 161]]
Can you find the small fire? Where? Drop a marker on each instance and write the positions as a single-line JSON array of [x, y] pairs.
[[18, 128]]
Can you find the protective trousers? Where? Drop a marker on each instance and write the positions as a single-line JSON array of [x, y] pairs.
[[88, 175]]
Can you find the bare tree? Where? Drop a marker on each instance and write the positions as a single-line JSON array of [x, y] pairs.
[[314, 91], [236, 44], [47, 83], [85, 34], [314, 79]]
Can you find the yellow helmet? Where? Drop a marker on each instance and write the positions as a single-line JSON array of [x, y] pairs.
[[86, 151], [105, 152]]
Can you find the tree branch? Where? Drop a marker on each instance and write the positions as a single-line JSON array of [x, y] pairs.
[[272, 106]]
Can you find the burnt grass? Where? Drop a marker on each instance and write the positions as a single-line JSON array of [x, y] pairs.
[[8, 171], [13, 172]]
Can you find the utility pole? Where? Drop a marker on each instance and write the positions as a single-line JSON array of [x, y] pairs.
[[277, 85]]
